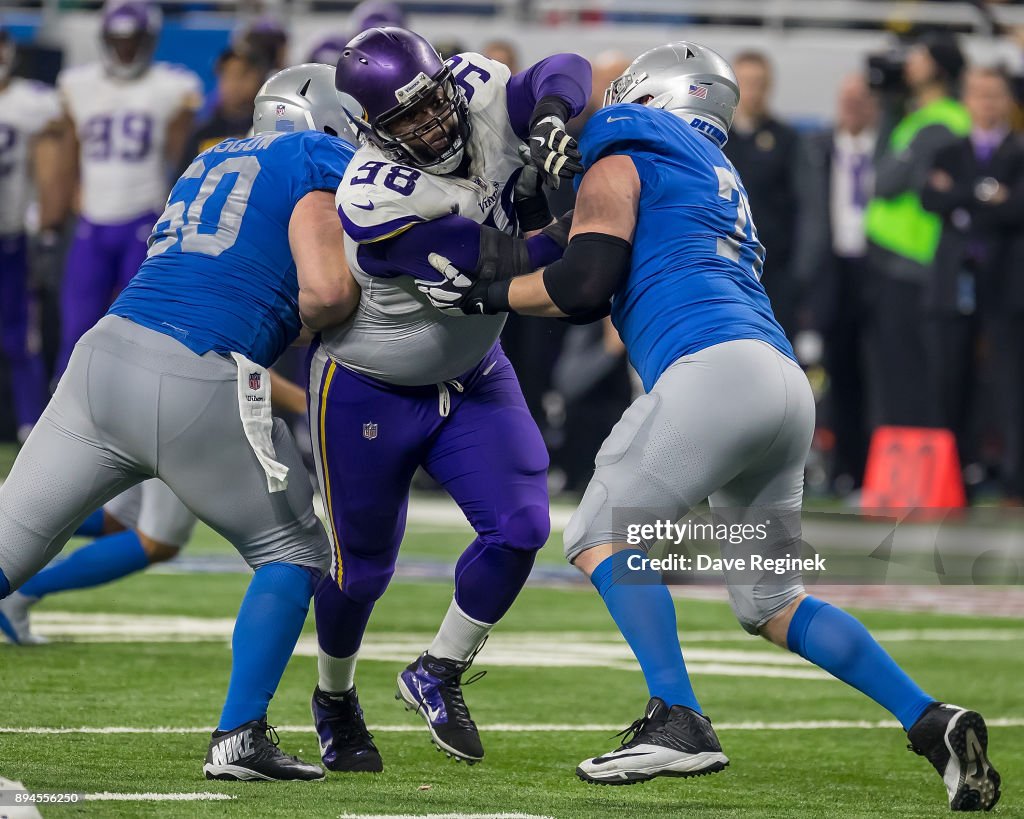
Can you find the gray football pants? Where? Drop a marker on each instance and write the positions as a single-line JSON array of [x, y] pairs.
[[731, 424], [135, 404], [153, 510]]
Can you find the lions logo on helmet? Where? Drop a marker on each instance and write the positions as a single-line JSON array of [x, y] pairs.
[[412, 109]]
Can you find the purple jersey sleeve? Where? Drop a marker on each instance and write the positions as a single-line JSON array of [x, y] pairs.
[[454, 237], [566, 76]]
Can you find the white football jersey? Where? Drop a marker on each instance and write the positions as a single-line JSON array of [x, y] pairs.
[[122, 134], [396, 335], [26, 109]]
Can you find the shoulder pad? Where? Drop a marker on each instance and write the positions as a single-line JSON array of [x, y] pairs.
[[378, 199]]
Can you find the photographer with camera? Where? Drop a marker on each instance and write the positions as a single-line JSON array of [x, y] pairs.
[[903, 236]]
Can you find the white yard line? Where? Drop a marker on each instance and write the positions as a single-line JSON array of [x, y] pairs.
[[444, 816], [106, 796], [509, 728]]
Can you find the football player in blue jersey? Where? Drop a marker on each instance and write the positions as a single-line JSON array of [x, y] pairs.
[[663, 238], [172, 384]]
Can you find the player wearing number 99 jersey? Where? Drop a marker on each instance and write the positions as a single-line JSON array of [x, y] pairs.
[[402, 385], [172, 384], [131, 118]]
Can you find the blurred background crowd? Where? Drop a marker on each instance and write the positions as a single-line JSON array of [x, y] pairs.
[[879, 144]]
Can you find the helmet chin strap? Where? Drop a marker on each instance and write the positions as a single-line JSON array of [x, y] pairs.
[[449, 165]]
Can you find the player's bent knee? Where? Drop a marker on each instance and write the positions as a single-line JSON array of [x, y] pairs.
[[368, 585], [755, 607], [526, 528], [156, 551]]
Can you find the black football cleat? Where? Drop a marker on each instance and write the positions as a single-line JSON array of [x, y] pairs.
[[432, 687], [955, 741], [250, 752], [674, 741], [345, 744]]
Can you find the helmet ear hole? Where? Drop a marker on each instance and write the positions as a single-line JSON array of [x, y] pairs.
[[329, 130]]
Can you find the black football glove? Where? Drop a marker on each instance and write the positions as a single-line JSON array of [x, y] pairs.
[[532, 211], [552, 150]]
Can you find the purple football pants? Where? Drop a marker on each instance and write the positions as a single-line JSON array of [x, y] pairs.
[[480, 443], [28, 377], [101, 261]]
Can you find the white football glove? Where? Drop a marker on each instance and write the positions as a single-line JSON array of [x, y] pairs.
[[450, 294]]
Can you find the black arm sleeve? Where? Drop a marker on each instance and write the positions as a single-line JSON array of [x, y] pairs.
[[589, 273]]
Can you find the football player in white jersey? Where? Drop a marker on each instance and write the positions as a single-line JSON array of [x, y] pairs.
[[130, 120], [402, 385], [29, 150]]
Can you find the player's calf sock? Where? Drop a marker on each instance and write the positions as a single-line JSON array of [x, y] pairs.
[[92, 526], [838, 642], [336, 674], [100, 562], [268, 626], [460, 636], [643, 610], [489, 577]]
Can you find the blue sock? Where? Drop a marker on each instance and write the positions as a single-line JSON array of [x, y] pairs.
[[100, 562], [92, 526], [267, 628], [838, 642], [643, 610], [5, 586]]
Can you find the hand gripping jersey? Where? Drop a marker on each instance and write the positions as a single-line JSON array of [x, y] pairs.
[[396, 335], [696, 268], [122, 134], [220, 274], [26, 109]]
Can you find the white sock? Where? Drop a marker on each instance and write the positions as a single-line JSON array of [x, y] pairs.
[[459, 636], [337, 674]]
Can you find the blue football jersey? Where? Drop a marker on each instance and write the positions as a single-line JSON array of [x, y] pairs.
[[219, 274], [695, 275]]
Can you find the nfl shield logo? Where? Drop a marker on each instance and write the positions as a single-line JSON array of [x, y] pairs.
[[280, 110], [254, 381], [369, 431]]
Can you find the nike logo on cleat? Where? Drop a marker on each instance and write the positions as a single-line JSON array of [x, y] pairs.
[[601, 760], [232, 748]]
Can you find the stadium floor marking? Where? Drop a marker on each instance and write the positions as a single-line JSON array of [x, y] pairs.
[[511, 728], [444, 816], [107, 796]]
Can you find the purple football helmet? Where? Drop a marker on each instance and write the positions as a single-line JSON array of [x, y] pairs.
[[412, 109], [375, 14], [6, 53], [128, 36]]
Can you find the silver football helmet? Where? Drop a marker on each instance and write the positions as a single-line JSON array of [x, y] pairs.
[[688, 79], [303, 98]]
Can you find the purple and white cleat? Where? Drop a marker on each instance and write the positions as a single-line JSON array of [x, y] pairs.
[[432, 687]]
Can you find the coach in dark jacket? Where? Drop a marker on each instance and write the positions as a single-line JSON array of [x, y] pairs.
[[832, 260], [770, 159], [976, 288]]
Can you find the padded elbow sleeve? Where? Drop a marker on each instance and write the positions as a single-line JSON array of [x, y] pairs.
[[589, 273]]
